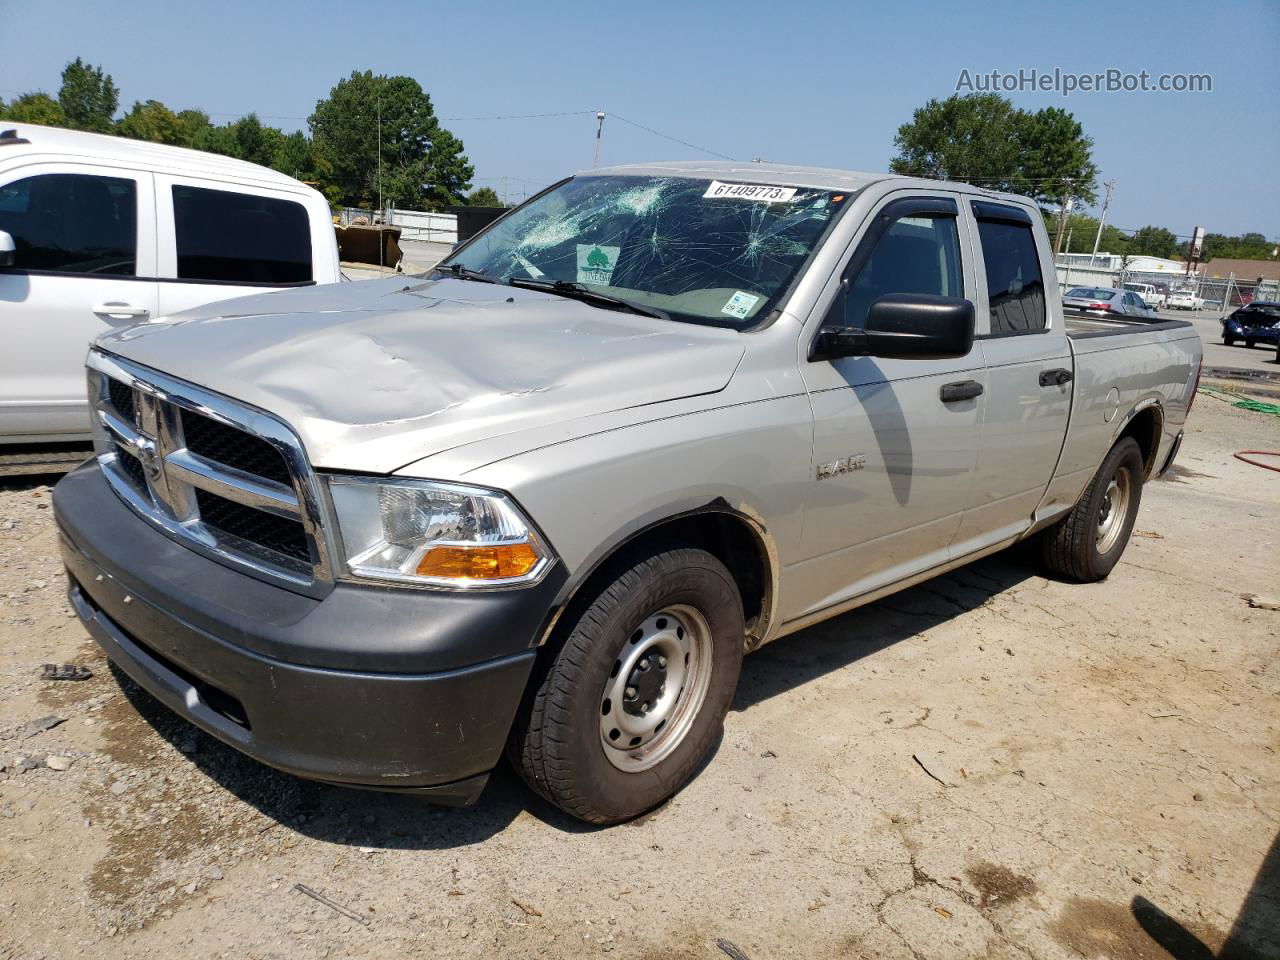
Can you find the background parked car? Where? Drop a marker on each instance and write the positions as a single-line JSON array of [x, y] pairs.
[[98, 232], [1259, 322], [1184, 300], [1105, 301], [1152, 296]]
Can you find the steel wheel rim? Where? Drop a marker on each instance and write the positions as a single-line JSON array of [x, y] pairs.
[[1115, 507], [656, 688]]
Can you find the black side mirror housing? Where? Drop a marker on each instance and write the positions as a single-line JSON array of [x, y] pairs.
[[904, 326]]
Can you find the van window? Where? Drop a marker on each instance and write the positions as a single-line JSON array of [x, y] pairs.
[[916, 254], [240, 238], [1015, 289], [72, 223]]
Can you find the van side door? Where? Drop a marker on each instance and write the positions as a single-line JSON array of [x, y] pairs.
[[221, 240], [893, 453], [85, 263], [1029, 374]]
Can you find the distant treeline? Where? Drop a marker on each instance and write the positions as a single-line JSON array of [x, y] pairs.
[[423, 164]]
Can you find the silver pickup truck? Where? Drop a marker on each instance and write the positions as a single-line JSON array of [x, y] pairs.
[[546, 497]]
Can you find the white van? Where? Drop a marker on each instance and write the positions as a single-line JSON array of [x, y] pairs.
[[98, 232]]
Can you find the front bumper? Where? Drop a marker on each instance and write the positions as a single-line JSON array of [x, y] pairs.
[[368, 687]]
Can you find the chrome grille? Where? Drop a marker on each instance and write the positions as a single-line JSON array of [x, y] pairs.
[[230, 447], [226, 480]]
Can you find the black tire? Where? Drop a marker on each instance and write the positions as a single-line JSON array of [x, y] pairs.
[[1248, 344], [1229, 341], [557, 744], [1071, 546]]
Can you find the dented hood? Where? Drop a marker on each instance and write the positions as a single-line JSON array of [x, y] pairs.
[[376, 374]]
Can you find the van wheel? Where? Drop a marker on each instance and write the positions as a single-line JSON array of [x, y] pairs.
[[637, 693], [1087, 543]]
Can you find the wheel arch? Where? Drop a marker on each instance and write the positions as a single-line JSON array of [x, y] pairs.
[[733, 534], [1145, 424]]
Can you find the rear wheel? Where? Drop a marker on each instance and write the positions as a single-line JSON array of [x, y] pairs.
[[1087, 543], [637, 693]]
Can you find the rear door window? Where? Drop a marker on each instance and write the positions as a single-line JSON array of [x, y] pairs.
[[228, 237], [72, 223], [1015, 288]]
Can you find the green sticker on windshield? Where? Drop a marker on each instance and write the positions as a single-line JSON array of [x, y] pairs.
[[596, 262]]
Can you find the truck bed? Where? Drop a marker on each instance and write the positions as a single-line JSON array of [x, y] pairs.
[[1083, 328]]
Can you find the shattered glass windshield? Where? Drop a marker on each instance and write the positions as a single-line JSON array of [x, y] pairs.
[[698, 250]]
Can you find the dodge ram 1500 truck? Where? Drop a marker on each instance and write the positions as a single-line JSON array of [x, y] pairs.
[[545, 497]]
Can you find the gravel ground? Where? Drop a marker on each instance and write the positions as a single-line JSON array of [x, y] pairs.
[[992, 764]]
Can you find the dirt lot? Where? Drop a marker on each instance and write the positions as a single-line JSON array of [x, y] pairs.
[[992, 764]]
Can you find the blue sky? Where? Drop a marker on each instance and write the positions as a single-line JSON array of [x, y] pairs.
[[817, 83]]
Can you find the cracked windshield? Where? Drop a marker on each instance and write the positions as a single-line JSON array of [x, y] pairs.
[[697, 250]]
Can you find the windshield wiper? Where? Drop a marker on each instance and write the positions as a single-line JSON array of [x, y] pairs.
[[577, 291], [463, 273]]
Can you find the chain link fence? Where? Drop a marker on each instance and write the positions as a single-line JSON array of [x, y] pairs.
[[1216, 293]]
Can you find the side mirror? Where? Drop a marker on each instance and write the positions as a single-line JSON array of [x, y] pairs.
[[904, 326], [8, 249]]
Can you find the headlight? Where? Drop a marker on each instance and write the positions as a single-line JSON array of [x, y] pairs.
[[437, 534]]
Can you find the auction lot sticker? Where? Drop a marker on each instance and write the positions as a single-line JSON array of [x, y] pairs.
[[759, 192]]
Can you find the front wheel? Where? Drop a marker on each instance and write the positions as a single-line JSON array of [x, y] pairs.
[[1249, 343], [637, 693], [1229, 341], [1087, 543]]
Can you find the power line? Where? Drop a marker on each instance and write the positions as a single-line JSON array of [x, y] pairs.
[[665, 136], [521, 116]]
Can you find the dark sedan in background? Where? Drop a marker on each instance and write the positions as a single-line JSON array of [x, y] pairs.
[[1259, 322]]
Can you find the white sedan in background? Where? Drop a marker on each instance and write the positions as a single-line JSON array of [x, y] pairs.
[[1184, 300]]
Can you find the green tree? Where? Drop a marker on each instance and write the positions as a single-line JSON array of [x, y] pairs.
[[192, 123], [152, 121], [484, 197], [1053, 148], [34, 108], [89, 97], [1152, 241], [1249, 246], [982, 138], [423, 165], [244, 139]]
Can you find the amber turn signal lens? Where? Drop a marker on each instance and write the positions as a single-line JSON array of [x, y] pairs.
[[497, 562]]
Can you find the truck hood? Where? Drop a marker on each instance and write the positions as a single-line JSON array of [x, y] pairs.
[[376, 374]]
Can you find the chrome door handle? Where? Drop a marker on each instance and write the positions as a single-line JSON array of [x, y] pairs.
[[120, 310]]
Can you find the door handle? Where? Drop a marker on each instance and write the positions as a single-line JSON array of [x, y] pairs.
[[962, 390], [120, 310], [1056, 377]]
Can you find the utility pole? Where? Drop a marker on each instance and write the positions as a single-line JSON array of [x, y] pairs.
[[599, 129], [1110, 185], [1062, 216], [381, 230], [379, 109]]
